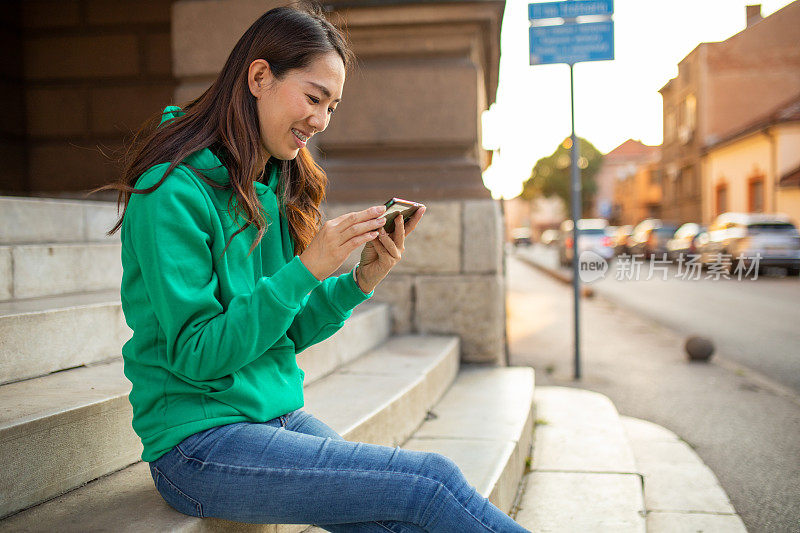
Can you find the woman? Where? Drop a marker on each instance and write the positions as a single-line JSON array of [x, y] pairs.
[[218, 321]]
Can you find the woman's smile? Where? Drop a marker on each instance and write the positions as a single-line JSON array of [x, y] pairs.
[[300, 142]]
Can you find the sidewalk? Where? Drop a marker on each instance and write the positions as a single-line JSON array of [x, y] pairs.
[[642, 368]]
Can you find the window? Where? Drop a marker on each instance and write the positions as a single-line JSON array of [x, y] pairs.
[[669, 126], [655, 176], [755, 195], [688, 182], [722, 198], [690, 105]]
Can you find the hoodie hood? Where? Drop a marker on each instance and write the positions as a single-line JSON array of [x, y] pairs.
[[209, 164]]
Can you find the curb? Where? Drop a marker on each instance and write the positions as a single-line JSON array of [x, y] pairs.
[[586, 292]]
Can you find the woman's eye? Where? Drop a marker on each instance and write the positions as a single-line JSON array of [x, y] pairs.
[[316, 101]]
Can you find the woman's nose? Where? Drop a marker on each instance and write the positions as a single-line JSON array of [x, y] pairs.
[[317, 121]]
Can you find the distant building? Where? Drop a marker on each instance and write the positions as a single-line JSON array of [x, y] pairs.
[[638, 195], [756, 169], [538, 214], [720, 88], [618, 165]]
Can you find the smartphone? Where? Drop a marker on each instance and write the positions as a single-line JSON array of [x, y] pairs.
[[398, 206]]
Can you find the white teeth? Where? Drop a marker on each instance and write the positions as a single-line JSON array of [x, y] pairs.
[[299, 135]]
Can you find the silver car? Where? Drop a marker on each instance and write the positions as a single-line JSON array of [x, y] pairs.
[[592, 236], [774, 237]]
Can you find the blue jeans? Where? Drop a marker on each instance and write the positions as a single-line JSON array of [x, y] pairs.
[[294, 469]]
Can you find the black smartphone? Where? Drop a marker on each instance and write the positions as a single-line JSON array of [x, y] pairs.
[[398, 206]]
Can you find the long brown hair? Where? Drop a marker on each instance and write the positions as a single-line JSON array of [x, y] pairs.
[[288, 38]]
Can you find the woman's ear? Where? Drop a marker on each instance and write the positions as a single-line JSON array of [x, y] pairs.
[[258, 77]]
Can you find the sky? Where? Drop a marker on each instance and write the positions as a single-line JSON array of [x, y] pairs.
[[614, 100]]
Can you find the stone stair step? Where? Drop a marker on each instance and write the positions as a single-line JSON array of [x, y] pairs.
[[680, 492], [47, 220], [382, 412], [584, 475], [583, 433], [43, 335], [51, 269], [43, 420], [484, 423], [48, 334]]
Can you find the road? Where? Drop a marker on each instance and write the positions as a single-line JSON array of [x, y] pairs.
[[747, 434], [752, 321]]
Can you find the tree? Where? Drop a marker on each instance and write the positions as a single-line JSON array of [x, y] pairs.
[[552, 174]]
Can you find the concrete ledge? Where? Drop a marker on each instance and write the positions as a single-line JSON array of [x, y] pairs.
[[680, 492]]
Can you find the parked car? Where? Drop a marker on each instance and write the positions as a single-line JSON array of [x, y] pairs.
[[684, 241], [773, 236], [549, 237], [591, 236], [620, 239], [521, 236], [650, 237]]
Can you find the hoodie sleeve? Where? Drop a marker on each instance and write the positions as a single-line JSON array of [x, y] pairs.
[[325, 310], [170, 234]]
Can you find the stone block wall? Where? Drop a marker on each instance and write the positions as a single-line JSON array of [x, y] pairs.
[[451, 278], [92, 71]]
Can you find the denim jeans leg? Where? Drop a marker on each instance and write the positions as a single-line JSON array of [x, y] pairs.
[[304, 422], [268, 473]]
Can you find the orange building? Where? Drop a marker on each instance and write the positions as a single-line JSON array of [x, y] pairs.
[[720, 88], [619, 167], [637, 195]]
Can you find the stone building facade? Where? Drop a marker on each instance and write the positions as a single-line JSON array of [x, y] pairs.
[[91, 71]]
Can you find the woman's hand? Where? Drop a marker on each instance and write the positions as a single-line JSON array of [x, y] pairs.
[[383, 252], [339, 237]]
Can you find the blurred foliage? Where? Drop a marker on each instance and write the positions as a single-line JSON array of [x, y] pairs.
[[551, 175]]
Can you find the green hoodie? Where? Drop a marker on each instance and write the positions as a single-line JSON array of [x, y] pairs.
[[215, 339]]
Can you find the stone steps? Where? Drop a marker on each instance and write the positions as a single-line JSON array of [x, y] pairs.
[[584, 475], [43, 335], [48, 334], [680, 492], [594, 470], [61, 268], [46, 419], [26, 220], [381, 397]]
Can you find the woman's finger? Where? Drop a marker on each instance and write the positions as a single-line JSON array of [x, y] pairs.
[[412, 222], [390, 245], [399, 233]]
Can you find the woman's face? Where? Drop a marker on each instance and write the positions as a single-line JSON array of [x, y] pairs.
[[303, 101]]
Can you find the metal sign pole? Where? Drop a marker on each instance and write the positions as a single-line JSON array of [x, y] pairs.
[[576, 215], [558, 35]]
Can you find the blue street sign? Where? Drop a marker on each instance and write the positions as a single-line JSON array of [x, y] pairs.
[[575, 8], [572, 43]]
